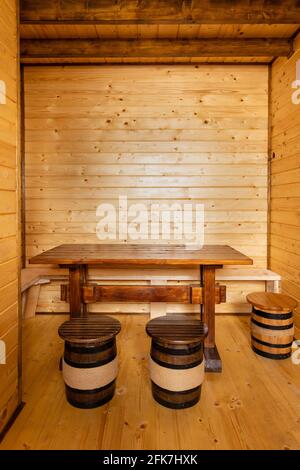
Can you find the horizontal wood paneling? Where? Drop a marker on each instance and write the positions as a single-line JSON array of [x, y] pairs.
[[164, 12], [183, 31], [285, 178], [152, 60], [9, 252], [153, 133], [35, 50], [163, 31]]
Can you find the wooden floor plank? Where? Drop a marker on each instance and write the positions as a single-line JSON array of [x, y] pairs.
[[253, 404]]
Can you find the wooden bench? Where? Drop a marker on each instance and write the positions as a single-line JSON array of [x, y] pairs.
[[33, 278], [31, 281], [271, 279]]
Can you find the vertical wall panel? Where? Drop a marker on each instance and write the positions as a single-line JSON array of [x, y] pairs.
[[285, 174], [9, 240]]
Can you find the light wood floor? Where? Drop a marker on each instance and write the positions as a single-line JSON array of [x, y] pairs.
[[253, 404]]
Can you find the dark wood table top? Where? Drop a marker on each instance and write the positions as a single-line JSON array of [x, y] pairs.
[[121, 254]]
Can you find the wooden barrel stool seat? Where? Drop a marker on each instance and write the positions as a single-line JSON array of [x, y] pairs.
[[176, 360], [272, 328], [90, 359]]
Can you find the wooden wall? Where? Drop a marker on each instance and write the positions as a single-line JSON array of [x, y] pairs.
[[285, 176], [9, 251], [153, 133]]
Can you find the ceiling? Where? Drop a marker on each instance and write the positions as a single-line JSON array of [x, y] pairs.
[[151, 31]]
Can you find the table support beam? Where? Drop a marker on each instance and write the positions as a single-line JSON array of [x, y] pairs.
[[154, 294], [212, 359], [77, 277]]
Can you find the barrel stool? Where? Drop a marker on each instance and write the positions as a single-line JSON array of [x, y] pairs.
[[90, 359], [176, 360], [272, 329]]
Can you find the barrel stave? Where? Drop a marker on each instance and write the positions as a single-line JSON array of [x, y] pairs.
[[87, 399], [84, 368], [272, 333], [90, 359], [177, 373], [176, 400], [90, 355]]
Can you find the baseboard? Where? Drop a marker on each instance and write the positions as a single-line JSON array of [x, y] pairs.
[[11, 420]]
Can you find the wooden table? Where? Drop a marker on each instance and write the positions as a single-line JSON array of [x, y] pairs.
[[77, 258]]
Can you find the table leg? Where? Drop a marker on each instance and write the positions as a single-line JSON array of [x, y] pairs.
[[212, 359], [77, 277]]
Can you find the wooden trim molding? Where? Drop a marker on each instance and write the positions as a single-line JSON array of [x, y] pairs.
[[162, 12], [39, 49]]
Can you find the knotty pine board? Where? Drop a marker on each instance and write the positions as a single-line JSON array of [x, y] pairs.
[[153, 133]]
